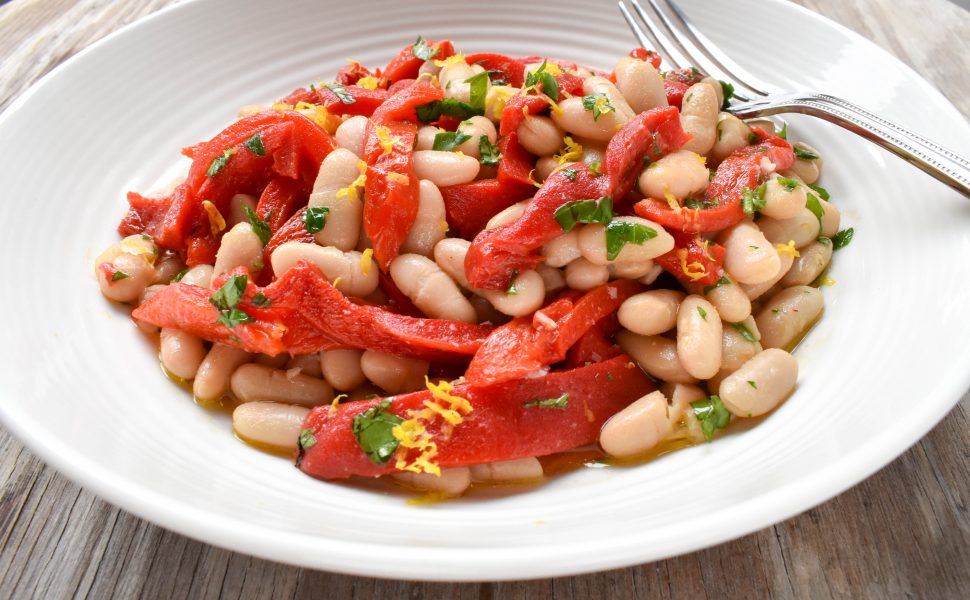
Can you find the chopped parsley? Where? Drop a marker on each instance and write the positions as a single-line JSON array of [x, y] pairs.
[[255, 145], [745, 333], [702, 312], [594, 168], [341, 92], [753, 384], [422, 50], [813, 204], [488, 151], [598, 103], [560, 403], [219, 162], [234, 316], [752, 200], [119, 275], [722, 281], [753, 138], [841, 239], [447, 141], [822, 192], [621, 233], [373, 430], [227, 297], [728, 90], [783, 134], [804, 154], [541, 76], [180, 276], [261, 301], [478, 89], [698, 204], [307, 439], [788, 184], [260, 227], [570, 174], [823, 240], [315, 218], [584, 211], [449, 107], [711, 414]]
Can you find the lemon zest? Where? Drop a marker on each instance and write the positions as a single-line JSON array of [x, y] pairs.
[[365, 261], [496, 99], [368, 83], [700, 159], [399, 178], [350, 192], [454, 59], [788, 249], [571, 152], [671, 200], [385, 138], [282, 106], [336, 402], [826, 282], [337, 281], [532, 179], [693, 270], [413, 434], [216, 221]]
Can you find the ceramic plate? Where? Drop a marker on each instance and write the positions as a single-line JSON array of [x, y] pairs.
[[83, 389]]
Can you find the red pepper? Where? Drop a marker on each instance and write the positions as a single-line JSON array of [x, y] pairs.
[[280, 199], [501, 425], [529, 344], [516, 109], [563, 64], [354, 72], [307, 314], [496, 254], [740, 171], [401, 104], [516, 164], [397, 301], [702, 259], [391, 191], [405, 65], [365, 101], [593, 347], [677, 82], [469, 206], [510, 68], [646, 55], [569, 84], [649, 135]]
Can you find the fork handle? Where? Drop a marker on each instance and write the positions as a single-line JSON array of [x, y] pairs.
[[941, 163]]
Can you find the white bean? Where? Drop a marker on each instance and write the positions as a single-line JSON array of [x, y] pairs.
[[602, 85], [338, 171], [788, 315], [449, 254], [635, 270], [126, 278], [444, 168], [508, 215], [592, 242], [749, 257], [652, 312], [655, 272], [574, 118], [451, 483], [476, 127], [540, 135], [679, 174], [681, 413], [237, 209], [731, 134], [784, 198], [552, 278], [756, 290], [584, 275], [200, 275], [546, 166], [167, 268], [728, 298], [508, 471], [529, 291], [813, 261], [425, 137], [807, 169], [637, 428], [429, 225], [270, 424], [803, 228], [760, 384], [345, 266], [736, 349], [341, 368], [562, 249], [698, 116], [430, 288], [699, 337], [640, 83], [831, 218], [656, 355], [181, 353], [308, 364], [393, 374], [212, 378], [240, 247], [256, 383], [350, 135], [452, 79]]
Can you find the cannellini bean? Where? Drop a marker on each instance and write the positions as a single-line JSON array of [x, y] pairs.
[[485, 312], [444, 168], [277, 362], [452, 482], [735, 348], [552, 278], [476, 127], [546, 166], [425, 137], [831, 218], [540, 136], [728, 298], [167, 268], [584, 275], [788, 315], [308, 364], [452, 79], [640, 83], [731, 134], [592, 242], [237, 209], [652, 312], [655, 272], [508, 471], [240, 247], [145, 296], [270, 423], [127, 278], [429, 225], [718, 89], [749, 257], [679, 174], [760, 384], [656, 355], [756, 290], [529, 290], [602, 85], [698, 116], [212, 379], [257, 383], [784, 197], [341, 368], [680, 413], [350, 135], [430, 288], [634, 270], [495, 100], [508, 215], [393, 374], [562, 249], [574, 118], [200, 275], [803, 229], [181, 353], [334, 190], [593, 153], [806, 268], [768, 126], [699, 337], [637, 428], [807, 169], [345, 266], [449, 254]]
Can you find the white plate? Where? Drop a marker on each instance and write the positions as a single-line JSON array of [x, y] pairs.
[[83, 390]]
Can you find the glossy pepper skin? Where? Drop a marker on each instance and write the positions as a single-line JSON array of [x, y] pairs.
[[500, 426], [694, 260]]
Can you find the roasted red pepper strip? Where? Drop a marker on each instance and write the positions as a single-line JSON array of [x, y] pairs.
[[646, 55], [401, 104], [649, 135], [365, 101], [469, 206], [280, 199], [694, 260], [354, 72], [500, 426], [405, 65], [528, 344], [516, 164], [569, 84], [516, 109], [495, 254], [593, 347], [511, 68], [307, 314], [391, 200], [740, 171], [563, 64], [677, 82]]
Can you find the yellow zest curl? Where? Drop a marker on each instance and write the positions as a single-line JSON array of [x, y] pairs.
[[694, 270], [336, 402], [216, 222], [350, 192], [413, 434], [454, 59], [671, 200], [788, 249], [365, 261], [399, 178], [386, 140], [368, 83], [572, 152]]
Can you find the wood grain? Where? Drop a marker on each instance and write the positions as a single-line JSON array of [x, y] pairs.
[[905, 532]]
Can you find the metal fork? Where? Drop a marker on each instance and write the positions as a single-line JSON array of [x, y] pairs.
[[682, 45]]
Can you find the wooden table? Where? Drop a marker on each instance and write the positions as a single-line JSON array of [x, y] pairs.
[[903, 532]]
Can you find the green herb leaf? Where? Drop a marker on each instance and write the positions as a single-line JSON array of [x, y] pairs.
[[702, 312], [841, 239], [697, 203], [804, 154], [549, 86], [512, 290], [722, 281], [569, 173], [497, 77], [315, 218], [532, 77], [728, 90], [219, 162], [180, 276], [822, 192], [449, 140], [341, 92], [255, 145], [422, 50], [260, 300], [753, 138], [119, 275], [307, 439], [598, 103], [449, 107], [234, 316], [594, 168], [372, 428], [752, 200], [823, 240], [783, 134], [745, 333], [478, 85], [584, 211], [812, 203], [753, 384], [621, 233], [260, 227], [231, 292], [561, 403], [488, 151], [711, 414], [788, 184]]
